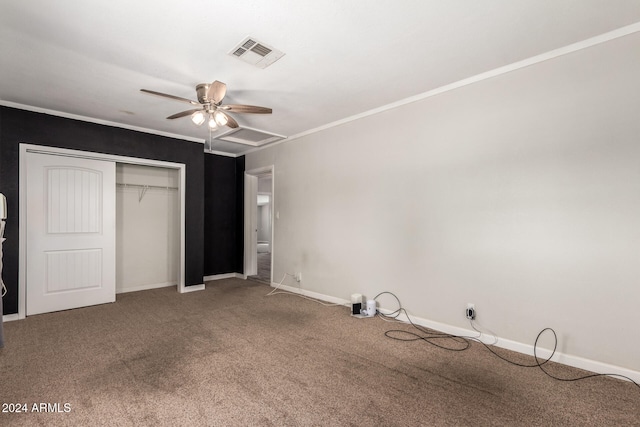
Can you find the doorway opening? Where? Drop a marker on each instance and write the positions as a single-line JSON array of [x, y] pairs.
[[259, 208], [147, 227]]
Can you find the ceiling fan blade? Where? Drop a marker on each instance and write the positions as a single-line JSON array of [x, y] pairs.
[[217, 91], [184, 113], [165, 95], [231, 122], [252, 109]]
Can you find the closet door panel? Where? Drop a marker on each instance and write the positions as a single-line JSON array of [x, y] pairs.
[[70, 233]]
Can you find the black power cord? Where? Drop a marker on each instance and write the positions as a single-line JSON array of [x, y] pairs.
[[463, 343]]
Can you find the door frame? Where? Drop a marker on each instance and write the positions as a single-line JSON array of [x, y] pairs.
[[250, 222], [22, 246], [250, 225]]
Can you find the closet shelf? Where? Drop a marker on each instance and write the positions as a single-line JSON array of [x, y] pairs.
[[142, 188], [149, 187]]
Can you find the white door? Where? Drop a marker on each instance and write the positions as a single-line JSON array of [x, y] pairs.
[[70, 232]]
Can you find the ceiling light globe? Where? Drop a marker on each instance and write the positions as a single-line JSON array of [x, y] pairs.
[[198, 118], [212, 124], [220, 118]]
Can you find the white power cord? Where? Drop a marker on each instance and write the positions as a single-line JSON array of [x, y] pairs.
[[473, 323], [275, 291]]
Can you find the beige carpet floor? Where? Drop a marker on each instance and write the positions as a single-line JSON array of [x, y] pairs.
[[229, 356]]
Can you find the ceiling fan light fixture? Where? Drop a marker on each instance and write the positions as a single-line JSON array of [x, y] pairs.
[[212, 123], [210, 98], [220, 118], [198, 118]]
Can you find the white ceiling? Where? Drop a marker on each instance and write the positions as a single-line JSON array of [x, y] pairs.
[[342, 57]]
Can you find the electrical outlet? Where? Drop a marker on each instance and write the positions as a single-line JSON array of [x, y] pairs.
[[298, 277], [470, 312]]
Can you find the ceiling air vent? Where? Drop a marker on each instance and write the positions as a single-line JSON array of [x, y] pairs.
[[256, 53], [239, 51], [249, 136]]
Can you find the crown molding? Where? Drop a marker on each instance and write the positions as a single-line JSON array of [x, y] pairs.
[[584, 44]]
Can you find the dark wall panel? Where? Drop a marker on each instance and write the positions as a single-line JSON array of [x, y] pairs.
[[220, 217], [223, 225], [18, 126], [240, 168]]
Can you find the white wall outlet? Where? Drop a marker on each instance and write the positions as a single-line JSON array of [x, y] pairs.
[[298, 277], [470, 312]]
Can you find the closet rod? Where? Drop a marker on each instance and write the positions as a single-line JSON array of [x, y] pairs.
[[161, 187]]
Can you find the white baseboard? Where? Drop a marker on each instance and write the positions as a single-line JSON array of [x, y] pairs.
[[10, 317], [224, 276], [543, 354], [310, 294], [145, 287], [193, 288]]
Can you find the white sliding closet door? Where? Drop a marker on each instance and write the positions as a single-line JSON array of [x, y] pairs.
[[70, 230]]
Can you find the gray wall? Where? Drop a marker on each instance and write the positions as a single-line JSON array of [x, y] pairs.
[[519, 193], [264, 223], [264, 211]]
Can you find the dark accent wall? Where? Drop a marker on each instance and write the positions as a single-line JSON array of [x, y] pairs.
[[240, 168], [19, 126], [223, 226]]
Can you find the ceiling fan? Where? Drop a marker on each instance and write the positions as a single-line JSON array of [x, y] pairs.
[[210, 106]]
